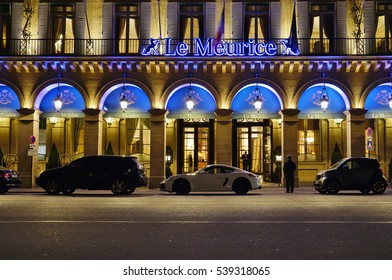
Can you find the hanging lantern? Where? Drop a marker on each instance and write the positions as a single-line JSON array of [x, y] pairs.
[[189, 100], [324, 99]]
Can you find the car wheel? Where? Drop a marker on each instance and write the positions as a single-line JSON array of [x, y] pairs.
[[241, 186], [131, 190], [119, 187], [53, 187], [181, 186], [322, 191], [333, 187], [68, 190], [365, 190], [378, 187]]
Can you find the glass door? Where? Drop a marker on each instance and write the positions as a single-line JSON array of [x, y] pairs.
[[195, 144], [252, 148]]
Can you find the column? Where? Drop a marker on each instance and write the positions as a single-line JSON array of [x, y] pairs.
[[27, 157], [290, 139], [158, 147], [223, 136], [93, 132], [355, 132]]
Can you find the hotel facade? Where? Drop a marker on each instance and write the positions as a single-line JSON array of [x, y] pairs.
[[182, 84]]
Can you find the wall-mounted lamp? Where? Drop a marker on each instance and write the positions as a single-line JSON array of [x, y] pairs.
[[58, 103]]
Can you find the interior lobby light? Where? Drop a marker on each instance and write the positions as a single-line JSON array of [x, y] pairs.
[[338, 121], [53, 121], [109, 121]]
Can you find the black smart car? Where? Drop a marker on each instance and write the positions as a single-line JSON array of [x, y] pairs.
[[119, 174], [8, 179], [355, 173]]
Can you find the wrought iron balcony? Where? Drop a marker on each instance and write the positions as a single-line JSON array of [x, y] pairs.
[[135, 47]]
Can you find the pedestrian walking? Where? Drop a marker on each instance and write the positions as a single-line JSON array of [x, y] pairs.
[[288, 169]]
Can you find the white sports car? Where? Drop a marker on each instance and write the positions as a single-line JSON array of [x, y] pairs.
[[214, 177]]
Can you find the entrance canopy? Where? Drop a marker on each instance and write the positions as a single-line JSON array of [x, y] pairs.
[[310, 102], [72, 99], [377, 102], [9, 102], [138, 102], [243, 102], [204, 102]]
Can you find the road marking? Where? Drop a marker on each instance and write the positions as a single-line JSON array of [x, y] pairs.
[[195, 222]]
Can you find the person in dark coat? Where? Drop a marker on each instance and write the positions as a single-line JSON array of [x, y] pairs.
[[288, 168]]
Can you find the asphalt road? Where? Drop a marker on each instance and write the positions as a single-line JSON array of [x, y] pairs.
[[149, 224]]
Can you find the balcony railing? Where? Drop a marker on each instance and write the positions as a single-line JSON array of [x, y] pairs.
[[134, 47]]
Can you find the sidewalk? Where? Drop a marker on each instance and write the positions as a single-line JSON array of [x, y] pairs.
[[265, 185]]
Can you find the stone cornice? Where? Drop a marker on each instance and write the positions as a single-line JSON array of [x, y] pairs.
[[169, 65]]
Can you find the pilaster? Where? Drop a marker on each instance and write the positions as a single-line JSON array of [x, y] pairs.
[[290, 138], [28, 157], [158, 147], [93, 132], [355, 132], [223, 136]]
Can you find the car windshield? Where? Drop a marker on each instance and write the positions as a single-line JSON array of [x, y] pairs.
[[337, 164]]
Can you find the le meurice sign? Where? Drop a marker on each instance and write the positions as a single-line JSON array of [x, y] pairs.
[[211, 48]]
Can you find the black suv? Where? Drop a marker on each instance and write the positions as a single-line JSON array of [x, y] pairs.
[[356, 173], [119, 174]]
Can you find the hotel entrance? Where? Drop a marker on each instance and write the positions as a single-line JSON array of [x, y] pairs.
[[252, 147], [195, 144]]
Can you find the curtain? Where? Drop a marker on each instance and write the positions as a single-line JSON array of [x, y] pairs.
[[131, 129], [183, 26], [78, 126], [201, 27], [264, 27], [146, 122], [328, 25], [120, 28], [247, 27]]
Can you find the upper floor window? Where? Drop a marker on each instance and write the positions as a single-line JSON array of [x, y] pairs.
[[191, 22], [5, 25], [127, 26], [384, 27], [322, 27], [62, 27], [257, 23]]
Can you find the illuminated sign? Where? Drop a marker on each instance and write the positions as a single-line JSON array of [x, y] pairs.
[[211, 48]]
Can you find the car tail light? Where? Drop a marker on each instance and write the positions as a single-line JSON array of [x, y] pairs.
[[4, 175]]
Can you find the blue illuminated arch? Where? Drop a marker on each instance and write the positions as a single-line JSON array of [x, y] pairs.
[[9, 102], [377, 102], [138, 102], [205, 103], [242, 104], [73, 102], [309, 102]]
